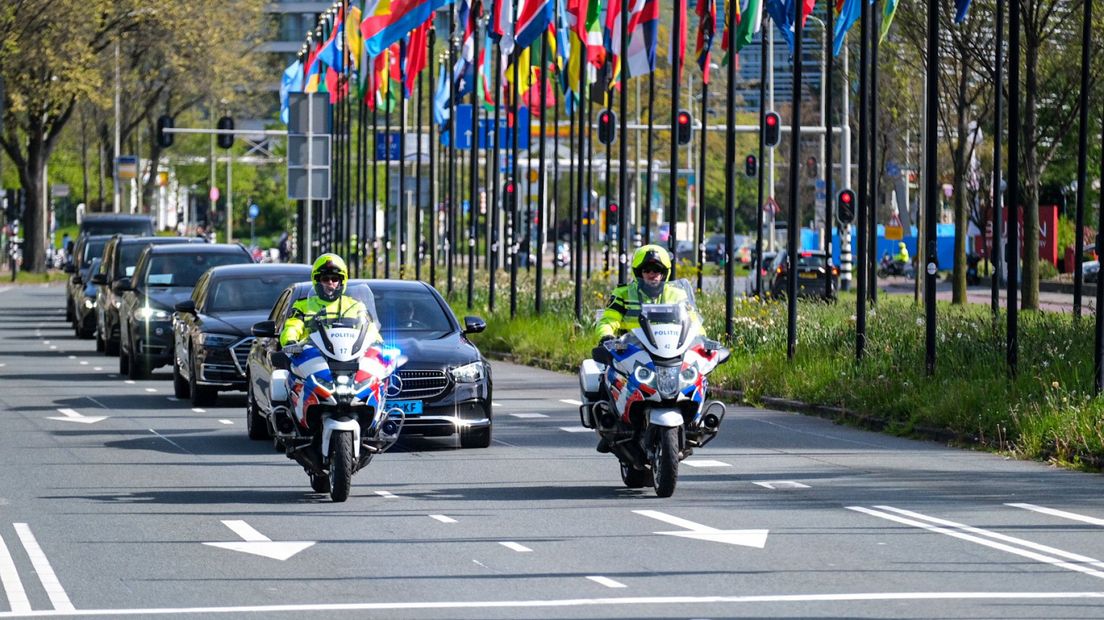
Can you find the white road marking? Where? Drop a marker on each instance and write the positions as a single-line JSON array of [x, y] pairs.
[[198, 410], [1072, 516], [697, 531], [173, 399], [516, 547], [53, 347], [226, 422], [781, 484], [151, 390], [128, 381], [71, 415], [98, 368], [606, 581], [496, 405], [72, 357], [46, 574], [958, 530], [576, 429], [442, 518], [13, 587], [83, 363], [178, 446], [2, 365], [387, 494], [705, 463], [528, 415], [571, 401], [45, 342], [256, 543]]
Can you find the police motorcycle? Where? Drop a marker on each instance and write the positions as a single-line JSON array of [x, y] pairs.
[[644, 394], [333, 418]]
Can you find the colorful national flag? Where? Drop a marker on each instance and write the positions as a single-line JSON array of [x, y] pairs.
[[387, 21], [502, 24], [751, 22], [782, 14], [290, 82], [533, 19], [961, 7], [417, 55], [888, 11], [354, 42], [643, 37], [847, 13], [333, 50], [707, 29], [442, 99]]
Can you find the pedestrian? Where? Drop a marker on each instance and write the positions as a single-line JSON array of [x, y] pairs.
[[283, 247]]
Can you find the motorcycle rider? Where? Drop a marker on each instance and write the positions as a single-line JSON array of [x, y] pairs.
[[650, 264], [902, 255], [329, 275]]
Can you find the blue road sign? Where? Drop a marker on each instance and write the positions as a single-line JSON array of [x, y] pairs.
[[388, 149], [254, 211], [486, 141], [892, 169]]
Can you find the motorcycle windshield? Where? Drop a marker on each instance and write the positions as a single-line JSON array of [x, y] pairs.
[[665, 326], [341, 338]]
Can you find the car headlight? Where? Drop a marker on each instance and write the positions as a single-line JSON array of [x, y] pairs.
[[146, 313], [643, 375], [468, 373], [89, 303], [217, 340]]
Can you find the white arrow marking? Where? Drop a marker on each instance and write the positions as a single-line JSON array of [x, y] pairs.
[[73, 416], [746, 538], [257, 543], [782, 484]]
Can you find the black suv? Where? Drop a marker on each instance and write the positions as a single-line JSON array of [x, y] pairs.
[[78, 305], [119, 259], [165, 275], [111, 223], [211, 329]]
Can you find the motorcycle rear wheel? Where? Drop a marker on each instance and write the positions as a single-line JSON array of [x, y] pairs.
[[341, 465], [666, 461]]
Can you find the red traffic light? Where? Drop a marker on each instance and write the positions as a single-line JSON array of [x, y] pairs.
[[772, 129], [613, 207], [509, 188], [684, 118], [846, 197], [846, 206], [772, 119], [685, 127]]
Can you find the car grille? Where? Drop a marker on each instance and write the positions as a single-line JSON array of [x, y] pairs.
[[422, 383], [240, 349]]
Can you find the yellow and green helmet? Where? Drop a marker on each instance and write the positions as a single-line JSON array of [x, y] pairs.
[[654, 255], [329, 264]]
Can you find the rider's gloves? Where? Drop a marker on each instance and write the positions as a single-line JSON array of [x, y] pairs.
[[293, 348], [605, 339]]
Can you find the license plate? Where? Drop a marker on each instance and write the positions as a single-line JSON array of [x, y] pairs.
[[409, 407], [807, 275]]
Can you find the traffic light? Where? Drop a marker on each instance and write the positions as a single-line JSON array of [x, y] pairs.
[[846, 204], [225, 141], [607, 127], [751, 165], [685, 125], [509, 196], [772, 129], [613, 208], [164, 139]]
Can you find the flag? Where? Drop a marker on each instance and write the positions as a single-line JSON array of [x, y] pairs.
[[678, 39], [888, 11], [707, 29], [290, 82], [313, 78], [782, 14], [353, 41], [502, 21], [387, 21], [643, 37], [417, 55], [848, 12], [524, 71], [333, 50], [442, 99], [533, 19], [532, 98], [751, 22], [961, 7]]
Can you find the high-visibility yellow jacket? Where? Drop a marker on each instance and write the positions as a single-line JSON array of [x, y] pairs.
[[623, 310], [297, 327]]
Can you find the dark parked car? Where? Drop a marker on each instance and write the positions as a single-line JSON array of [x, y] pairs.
[[119, 259], [211, 329], [753, 266], [165, 275], [813, 268], [85, 261], [445, 386]]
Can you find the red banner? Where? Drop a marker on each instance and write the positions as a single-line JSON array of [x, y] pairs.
[[1048, 233]]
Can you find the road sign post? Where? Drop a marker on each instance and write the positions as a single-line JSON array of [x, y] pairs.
[[308, 157]]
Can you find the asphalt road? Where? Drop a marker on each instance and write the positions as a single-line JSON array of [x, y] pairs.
[[118, 500]]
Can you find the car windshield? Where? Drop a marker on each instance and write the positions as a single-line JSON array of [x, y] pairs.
[[247, 293], [128, 259], [108, 226], [811, 261], [411, 312], [184, 269], [92, 250]]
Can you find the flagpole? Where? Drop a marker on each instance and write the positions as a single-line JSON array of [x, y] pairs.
[[676, 69], [875, 170], [762, 165], [450, 210], [647, 199], [473, 180], [795, 150], [829, 195], [863, 186], [515, 229], [591, 195], [995, 250], [730, 173], [400, 217], [581, 206], [1012, 256], [623, 143], [387, 176], [931, 163], [542, 234], [555, 185], [496, 145], [1082, 157], [701, 182], [375, 174], [609, 180], [431, 210], [416, 251]]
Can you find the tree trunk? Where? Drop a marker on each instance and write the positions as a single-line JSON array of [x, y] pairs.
[[1032, 175], [960, 212], [34, 225]]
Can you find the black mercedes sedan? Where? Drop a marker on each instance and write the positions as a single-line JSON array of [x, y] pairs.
[[164, 275], [445, 386], [211, 329], [87, 253]]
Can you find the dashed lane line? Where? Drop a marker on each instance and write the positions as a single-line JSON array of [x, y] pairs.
[[516, 547], [571, 401], [387, 494], [13, 586], [705, 463], [528, 415], [1072, 516], [606, 581], [46, 575], [442, 518], [576, 429]]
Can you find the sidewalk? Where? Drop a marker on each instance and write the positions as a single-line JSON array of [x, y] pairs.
[[1051, 298]]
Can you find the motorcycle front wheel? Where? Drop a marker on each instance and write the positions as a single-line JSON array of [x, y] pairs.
[[666, 461], [341, 465], [635, 478]]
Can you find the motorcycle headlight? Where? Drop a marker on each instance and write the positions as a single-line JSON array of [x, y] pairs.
[[89, 303], [643, 375], [216, 340], [468, 373], [668, 380], [689, 374], [146, 313]]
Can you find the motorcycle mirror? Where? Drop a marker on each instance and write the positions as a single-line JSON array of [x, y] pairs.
[[723, 354], [601, 355]]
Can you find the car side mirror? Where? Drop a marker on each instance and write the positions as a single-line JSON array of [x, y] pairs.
[[99, 278], [263, 329], [187, 306], [122, 284], [474, 325]]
